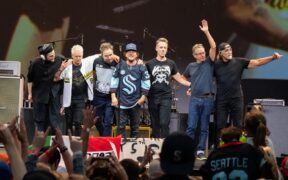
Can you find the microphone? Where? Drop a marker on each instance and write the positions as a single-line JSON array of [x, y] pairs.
[[82, 39], [144, 33]]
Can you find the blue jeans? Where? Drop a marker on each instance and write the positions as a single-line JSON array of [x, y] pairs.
[[105, 114], [199, 111]]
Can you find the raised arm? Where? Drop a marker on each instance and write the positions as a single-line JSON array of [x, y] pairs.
[[205, 29], [17, 164], [264, 60]]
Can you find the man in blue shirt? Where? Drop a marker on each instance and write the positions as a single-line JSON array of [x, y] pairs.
[[200, 74]]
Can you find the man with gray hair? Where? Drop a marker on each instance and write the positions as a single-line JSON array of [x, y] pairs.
[[78, 88]]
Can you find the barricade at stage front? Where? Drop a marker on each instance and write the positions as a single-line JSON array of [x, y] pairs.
[[103, 146]]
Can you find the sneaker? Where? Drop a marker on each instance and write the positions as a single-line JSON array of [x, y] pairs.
[[201, 156]]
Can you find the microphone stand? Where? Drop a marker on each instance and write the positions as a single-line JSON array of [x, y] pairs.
[[80, 36]]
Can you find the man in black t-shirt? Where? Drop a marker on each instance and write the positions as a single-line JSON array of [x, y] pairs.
[[78, 89], [161, 70], [229, 98]]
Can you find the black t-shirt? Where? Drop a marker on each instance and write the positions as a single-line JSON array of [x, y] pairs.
[[79, 85], [161, 73], [236, 161], [228, 77]]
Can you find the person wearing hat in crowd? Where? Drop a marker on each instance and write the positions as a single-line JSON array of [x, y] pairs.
[[43, 90], [200, 74], [161, 70], [131, 82], [177, 156], [229, 98]]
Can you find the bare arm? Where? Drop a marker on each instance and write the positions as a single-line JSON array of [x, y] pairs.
[[89, 121], [57, 76], [261, 61], [205, 29], [17, 164], [29, 86], [181, 79]]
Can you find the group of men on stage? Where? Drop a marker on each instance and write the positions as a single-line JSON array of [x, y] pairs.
[[109, 83]]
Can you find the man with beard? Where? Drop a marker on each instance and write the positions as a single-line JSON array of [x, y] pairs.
[[229, 97], [132, 81]]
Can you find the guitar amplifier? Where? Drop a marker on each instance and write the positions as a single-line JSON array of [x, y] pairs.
[[270, 102], [11, 95]]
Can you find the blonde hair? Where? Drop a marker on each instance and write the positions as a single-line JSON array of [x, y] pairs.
[[105, 45], [162, 39], [76, 47], [196, 46]]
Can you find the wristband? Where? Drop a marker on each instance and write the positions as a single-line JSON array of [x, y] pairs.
[[48, 153], [63, 149], [86, 129]]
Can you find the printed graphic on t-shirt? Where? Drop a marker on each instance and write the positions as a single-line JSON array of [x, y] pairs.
[[103, 80], [161, 74]]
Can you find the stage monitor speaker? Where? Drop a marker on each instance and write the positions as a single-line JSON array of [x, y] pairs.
[[277, 122], [11, 95], [178, 122]]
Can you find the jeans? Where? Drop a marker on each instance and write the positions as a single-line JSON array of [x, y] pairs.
[[199, 112], [131, 115], [105, 114], [160, 114], [74, 117], [233, 108], [47, 114]]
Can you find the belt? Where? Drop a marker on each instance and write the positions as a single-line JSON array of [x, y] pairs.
[[207, 95]]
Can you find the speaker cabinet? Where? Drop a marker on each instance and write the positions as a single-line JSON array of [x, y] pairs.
[[178, 122], [277, 123], [11, 95]]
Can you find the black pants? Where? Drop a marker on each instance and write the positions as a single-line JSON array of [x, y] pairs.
[[160, 114], [47, 114], [74, 117], [232, 108], [131, 116]]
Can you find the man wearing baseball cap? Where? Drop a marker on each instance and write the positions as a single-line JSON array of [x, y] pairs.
[[131, 83]]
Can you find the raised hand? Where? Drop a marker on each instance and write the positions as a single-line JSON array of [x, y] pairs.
[[204, 26], [90, 118], [39, 139], [75, 142], [276, 55]]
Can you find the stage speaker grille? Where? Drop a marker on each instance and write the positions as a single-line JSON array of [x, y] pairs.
[[11, 97]]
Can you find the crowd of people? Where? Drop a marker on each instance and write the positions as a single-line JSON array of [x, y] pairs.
[[233, 159], [92, 90]]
